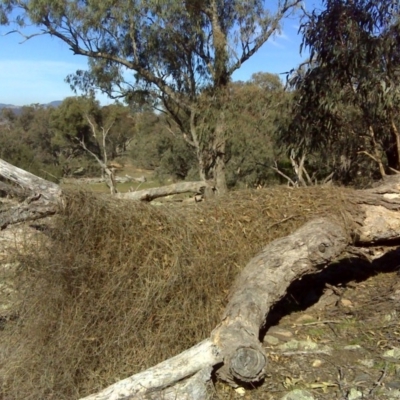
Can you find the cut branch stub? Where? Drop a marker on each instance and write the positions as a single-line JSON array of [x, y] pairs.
[[248, 364]]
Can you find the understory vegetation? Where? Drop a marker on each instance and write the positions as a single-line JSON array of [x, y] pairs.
[[49, 142]]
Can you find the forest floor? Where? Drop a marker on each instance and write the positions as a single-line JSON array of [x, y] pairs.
[[335, 335]]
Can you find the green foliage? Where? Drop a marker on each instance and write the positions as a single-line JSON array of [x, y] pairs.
[[82, 129], [48, 141], [178, 160], [167, 52], [71, 126], [25, 141], [347, 98], [122, 128], [253, 117], [155, 147]]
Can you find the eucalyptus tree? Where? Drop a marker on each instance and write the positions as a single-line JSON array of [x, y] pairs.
[[254, 114], [81, 126], [180, 54], [348, 95], [71, 128]]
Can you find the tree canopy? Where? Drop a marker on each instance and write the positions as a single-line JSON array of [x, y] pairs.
[[347, 96]]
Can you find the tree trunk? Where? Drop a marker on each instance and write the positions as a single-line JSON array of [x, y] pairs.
[[110, 180], [48, 190], [394, 162], [377, 156], [196, 359], [215, 168], [219, 170], [261, 284]]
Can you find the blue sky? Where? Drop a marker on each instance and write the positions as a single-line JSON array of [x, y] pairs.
[[34, 71]]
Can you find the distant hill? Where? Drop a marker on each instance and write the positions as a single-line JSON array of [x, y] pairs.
[[17, 109], [2, 105], [55, 104]]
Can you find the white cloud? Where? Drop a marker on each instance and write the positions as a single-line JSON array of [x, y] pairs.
[[278, 39], [281, 35]]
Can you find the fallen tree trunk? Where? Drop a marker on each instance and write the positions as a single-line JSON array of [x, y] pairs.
[[234, 350], [12, 191], [48, 190], [44, 196], [154, 193], [264, 281], [200, 357]]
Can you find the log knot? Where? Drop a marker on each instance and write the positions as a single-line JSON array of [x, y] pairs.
[[326, 239]]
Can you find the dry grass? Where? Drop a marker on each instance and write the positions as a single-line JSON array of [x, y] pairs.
[[123, 285]]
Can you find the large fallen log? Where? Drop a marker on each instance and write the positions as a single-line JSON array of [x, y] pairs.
[[12, 191], [42, 198], [48, 190], [263, 282], [234, 350], [201, 357]]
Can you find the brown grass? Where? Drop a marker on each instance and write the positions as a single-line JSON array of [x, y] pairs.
[[123, 286]]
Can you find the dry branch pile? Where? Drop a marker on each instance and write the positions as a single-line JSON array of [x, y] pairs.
[[125, 285]]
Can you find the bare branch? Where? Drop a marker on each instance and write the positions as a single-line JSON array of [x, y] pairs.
[[282, 174]]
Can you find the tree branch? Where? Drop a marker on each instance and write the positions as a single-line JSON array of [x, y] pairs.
[[268, 33]]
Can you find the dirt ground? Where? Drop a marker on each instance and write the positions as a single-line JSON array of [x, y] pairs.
[[336, 335]]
